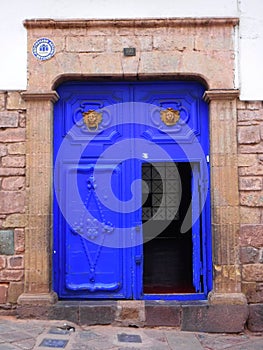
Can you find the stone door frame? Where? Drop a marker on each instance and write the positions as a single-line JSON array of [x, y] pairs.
[[178, 57]]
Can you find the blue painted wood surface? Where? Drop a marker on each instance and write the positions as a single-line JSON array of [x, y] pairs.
[[85, 264]]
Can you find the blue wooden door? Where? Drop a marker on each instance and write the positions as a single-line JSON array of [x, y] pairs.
[[99, 218]]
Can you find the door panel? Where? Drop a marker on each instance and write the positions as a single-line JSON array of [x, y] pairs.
[[99, 246]]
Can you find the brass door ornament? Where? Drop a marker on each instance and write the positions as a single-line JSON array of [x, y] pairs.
[[170, 116], [92, 119]]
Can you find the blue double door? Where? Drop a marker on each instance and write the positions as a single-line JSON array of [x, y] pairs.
[[131, 191]]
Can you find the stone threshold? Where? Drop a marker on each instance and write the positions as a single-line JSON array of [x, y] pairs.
[[195, 316]]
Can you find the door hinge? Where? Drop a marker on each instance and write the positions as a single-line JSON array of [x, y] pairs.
[[207, 159]]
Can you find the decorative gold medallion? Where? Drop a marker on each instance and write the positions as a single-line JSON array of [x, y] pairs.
[[92, 119], [170, 116]]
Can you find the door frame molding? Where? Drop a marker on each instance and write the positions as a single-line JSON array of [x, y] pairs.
[[221, 96]]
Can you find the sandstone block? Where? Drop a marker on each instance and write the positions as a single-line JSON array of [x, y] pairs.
[[255, 319], [9, 119], [247, 160], [248, 134], [12, 135], [251, 199], [3, 293], [250, 183], [252, 272], [17, 148], [176, 42], [252, 105], [15, 262], [2, 100], [250, 215], [249, 255], [251, 235], [118, 43], [15, 101], [14, 183], [85, 44], [11, 275], [22, 120], [2, 262], [15, 289], [12, 202], [15, 220], [250, 115], [19, 240], [3, 150], [14, 161], [12, 171]]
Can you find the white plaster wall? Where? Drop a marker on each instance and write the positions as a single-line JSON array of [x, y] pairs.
[[249, 72]]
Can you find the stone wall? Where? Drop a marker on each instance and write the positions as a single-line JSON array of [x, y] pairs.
[[12, 195], [250, 148]]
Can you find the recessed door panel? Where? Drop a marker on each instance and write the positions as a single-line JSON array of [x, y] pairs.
[[114, 238]]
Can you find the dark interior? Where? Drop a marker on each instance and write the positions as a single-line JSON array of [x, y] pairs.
[[167, 265]]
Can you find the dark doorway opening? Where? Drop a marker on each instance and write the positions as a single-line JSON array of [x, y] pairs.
[[168, 261]]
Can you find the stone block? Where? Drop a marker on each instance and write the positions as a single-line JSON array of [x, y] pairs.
[[250, 115], [252, 199], [255, 319], [253, 291], [16, 148], [12, 202], [97, 313], [14, 183], [14, 161], [253, 105], [246, 160], [12, 171], [6, 242], [19, 240], [130, 313], [157, 314], [15, 289], [68, 311], [2, 262], [11, 275], [33, 312], [3, 150], [22, 120], [249, 255], [9, 119], [250, 183], [250, 215], [15, 101], [214, 318], [15, 262], [252, 272], [2, 100], [248, 134], [15, 220], [118, 43], [85, 44], [179, 42], [251, 235], [3, 293], [13, 135]]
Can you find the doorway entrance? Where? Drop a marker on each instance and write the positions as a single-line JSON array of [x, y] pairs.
[[131, 183]]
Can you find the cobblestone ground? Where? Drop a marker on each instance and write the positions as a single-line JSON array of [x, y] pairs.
[[41, 335]]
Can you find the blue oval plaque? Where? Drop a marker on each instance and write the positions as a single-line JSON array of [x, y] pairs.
[[43, 49]]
